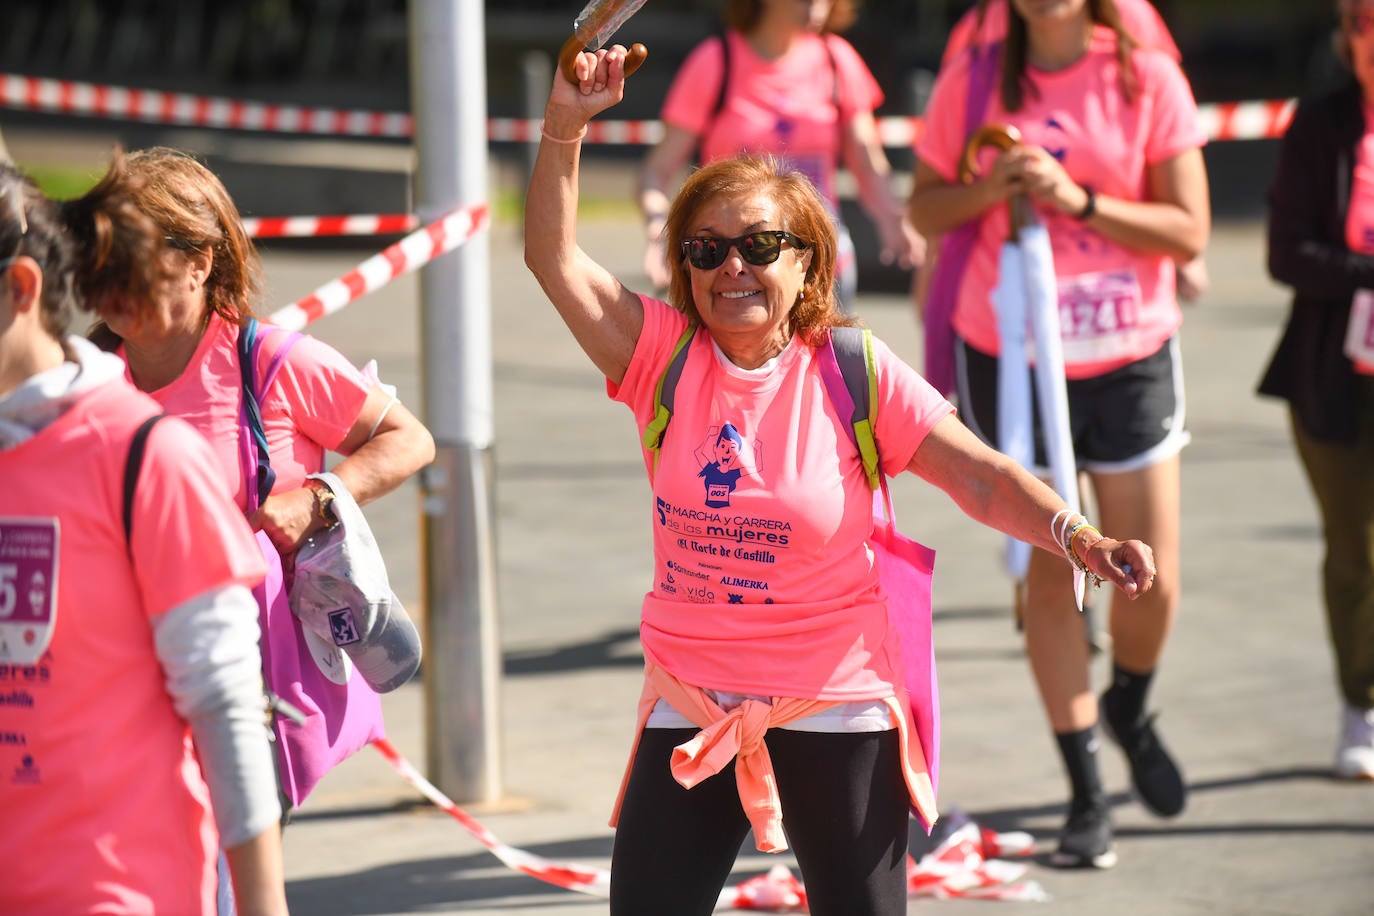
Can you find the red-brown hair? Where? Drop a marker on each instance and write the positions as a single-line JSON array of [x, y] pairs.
[[800, 212]]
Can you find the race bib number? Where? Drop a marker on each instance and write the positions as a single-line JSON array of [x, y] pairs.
[[1099, 316], [1359, 335], [28, 588]]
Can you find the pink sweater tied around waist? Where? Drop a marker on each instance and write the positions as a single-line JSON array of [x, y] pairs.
[[739, 735]]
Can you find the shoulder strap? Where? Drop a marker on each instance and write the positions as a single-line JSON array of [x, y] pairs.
[[665, 394], [132, 465], [250, 339], [721, 92], [834, 70], [724, 80], [982, 83], [851, 380], [835, 95]]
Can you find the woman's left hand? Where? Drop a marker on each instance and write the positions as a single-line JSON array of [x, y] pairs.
[[1129, 565], [901, 244], [287, 519]]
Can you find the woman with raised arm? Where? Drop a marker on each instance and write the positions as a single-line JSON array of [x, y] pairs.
[[772, 696]]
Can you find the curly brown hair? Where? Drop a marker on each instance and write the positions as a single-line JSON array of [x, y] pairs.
[[801, 212], [194, 210]]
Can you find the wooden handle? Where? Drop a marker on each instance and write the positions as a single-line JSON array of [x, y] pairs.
[[575, 46], [1002, 136]]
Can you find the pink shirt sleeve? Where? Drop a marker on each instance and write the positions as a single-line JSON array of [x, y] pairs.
[[188, 536], [942, 141], [663, 325], [310, 407], [908, 408], [692, 96], [1174, 123]]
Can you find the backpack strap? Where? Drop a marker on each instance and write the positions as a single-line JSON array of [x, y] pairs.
[[851, 380], [721, 93], [665, 394], [260, 482], [982, 83], [132, 465]]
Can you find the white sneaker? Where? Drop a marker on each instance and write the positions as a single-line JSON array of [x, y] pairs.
[[1355, 756]]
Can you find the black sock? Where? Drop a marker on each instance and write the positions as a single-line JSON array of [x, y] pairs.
[[1125, 699], [1079, 750]]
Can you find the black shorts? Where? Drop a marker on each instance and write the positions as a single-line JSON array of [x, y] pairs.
[[1125, 420]]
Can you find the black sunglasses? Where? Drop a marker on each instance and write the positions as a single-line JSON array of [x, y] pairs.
[[758, 248]]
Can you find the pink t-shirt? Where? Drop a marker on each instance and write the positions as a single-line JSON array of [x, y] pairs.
[[311, 406], [1359, 236], [1116, 305], [784, 106], [763, 583], [1139, 17], [104, 806], [1359, 220]]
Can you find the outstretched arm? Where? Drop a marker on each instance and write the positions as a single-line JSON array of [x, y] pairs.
[[604, 316], [993, 489]]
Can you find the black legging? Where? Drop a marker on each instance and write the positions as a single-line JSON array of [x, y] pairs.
[[844, 805]]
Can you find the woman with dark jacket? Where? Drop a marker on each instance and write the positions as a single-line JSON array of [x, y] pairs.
[[1321, 243]]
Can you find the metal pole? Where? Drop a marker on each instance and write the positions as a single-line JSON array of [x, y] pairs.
[[462, 657], [536, 75]]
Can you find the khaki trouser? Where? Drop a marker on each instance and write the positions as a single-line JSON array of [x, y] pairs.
[[1342, 478]]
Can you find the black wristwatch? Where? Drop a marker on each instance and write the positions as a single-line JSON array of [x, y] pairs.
[[1089, 208], [324, 504]]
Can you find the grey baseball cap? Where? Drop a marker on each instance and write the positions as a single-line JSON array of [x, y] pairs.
[[341, 595]]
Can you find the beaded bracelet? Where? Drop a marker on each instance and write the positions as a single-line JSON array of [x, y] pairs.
[[1064, 533], [550, 137]]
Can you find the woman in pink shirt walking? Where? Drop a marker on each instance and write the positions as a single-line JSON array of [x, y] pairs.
[[1111, 158], [183, 350], [132, 743], [773, 695], [780, 80]]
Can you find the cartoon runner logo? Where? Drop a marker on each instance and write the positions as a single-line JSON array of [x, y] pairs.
[[724, 461]]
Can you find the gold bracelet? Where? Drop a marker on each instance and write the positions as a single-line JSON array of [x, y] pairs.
[[1081, 562]]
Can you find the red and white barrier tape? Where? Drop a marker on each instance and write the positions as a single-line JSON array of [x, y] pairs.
[[960, 867], [283, 227], [1256, 120], [420, 247], [593, 881], [151, 106], [1247, 120]]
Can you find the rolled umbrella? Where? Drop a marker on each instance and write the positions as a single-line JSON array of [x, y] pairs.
[[1027, 302]]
